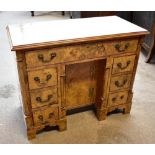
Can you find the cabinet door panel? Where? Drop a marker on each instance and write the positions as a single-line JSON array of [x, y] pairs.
[[80, 85]]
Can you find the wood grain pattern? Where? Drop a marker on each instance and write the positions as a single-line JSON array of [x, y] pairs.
[[23, 79], [103, 83], [80, 90], [64, 54], [62, 91]]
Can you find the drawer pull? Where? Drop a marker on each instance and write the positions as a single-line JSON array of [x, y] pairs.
[[48, 77], [121, 49], [40, 117], [123, 67], [120, 84], [114, 98], [41, 57], [39, 99], [122, 97], [37, 79], [51, 115]]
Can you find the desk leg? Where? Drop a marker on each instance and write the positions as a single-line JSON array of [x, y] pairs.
[[31, 133], [101, 114], [101, 107], [151, 49], [32, 13], [129, 104], [63, 13], [150, 54], [62, 125], [127, 109]]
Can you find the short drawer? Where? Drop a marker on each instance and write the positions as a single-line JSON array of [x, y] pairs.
[[120, 82], [42, 78], [43, 97], [64, 54], [117, 98], [45, 116], [121, 46], [123, 64]]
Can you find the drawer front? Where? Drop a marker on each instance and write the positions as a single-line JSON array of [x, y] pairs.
[[120, 82], [64, 54], [117, 98], [43, 117], [123, 64], [43, 97], [121, 46], [42, 78]]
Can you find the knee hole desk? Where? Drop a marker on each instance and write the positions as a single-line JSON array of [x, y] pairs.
[[69, 64]]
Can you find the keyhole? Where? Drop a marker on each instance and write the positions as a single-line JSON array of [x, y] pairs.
[[122, 97]]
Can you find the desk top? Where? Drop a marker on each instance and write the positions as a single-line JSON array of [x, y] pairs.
[[48, 33]]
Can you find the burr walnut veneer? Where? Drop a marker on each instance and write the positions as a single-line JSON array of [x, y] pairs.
[[69, 64]]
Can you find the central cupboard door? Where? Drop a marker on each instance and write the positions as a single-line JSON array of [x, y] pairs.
[[82, 80]]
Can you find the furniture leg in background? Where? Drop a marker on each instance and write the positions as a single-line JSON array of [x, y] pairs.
[[62, 12], [150, 49], [32, 13]]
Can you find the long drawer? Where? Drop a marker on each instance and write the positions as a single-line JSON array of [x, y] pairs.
[[79, 52], [64, 54]]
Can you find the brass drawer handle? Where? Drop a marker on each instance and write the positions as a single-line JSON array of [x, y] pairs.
[[122, 97], [114, 98], [40, 117], [48, 77], [51, 115], [39, 99], [41, 57], [124, 67], [120, 84], [121, 49]]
